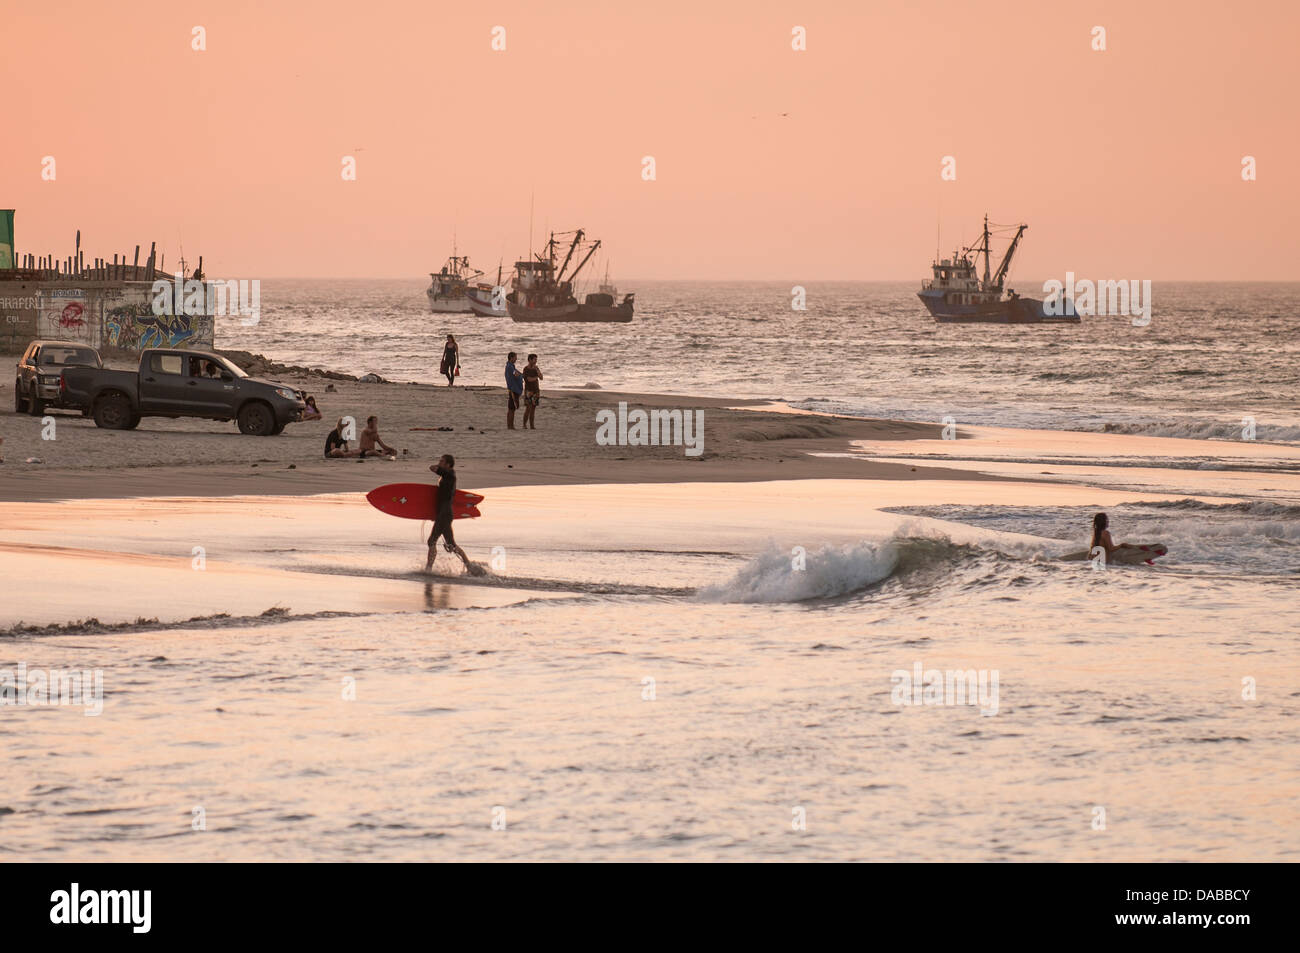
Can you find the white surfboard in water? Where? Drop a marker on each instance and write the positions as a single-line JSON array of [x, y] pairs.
[[1134, 555]]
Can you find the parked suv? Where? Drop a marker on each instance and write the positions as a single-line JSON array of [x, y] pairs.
[[39, 381]]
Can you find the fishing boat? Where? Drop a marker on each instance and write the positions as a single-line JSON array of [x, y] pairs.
[[449, 287], [957, 294], [483, 296], [543, 291]]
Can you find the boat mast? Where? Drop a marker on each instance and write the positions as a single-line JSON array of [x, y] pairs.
[[1006, 259], [577, 237], [986, 251], [585, 260]]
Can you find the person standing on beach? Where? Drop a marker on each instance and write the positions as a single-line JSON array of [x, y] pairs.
[[515, 388], [446, 470], [532, 375], [450, 360]]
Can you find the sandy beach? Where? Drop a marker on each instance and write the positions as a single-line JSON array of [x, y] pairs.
[[743, 441]]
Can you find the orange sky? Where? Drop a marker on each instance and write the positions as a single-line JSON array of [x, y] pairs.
[[1125, 163]]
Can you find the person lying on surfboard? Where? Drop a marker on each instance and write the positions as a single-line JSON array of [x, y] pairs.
[[1101, 536], [446, 470]]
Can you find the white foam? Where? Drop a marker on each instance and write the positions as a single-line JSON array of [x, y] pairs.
[[828, 572]]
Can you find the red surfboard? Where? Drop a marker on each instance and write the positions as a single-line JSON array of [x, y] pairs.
[[419, 501]]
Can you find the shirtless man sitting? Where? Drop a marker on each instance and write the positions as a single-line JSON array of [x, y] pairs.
[[370, 439]]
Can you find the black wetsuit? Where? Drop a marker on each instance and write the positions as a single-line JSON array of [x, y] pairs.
[[442, 522]]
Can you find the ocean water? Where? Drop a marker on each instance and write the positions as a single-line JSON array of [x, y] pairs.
[[678, 690], [1213, 353], [708, 671]]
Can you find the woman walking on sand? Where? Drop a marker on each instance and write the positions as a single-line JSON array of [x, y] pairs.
[[532, 391], [450, 360]]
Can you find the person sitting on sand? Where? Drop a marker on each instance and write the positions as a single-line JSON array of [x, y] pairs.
[[532, 391], [1101, 536], [446, 470], [311, 412], [335, 445], [370, 437]]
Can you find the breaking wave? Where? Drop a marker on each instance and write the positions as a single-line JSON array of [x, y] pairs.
[[832, 572], [1206, 430]]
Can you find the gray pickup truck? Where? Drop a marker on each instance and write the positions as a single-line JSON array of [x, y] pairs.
[[181, 383]]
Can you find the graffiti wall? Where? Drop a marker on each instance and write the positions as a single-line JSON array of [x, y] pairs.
[[135, 326], [100, 314]]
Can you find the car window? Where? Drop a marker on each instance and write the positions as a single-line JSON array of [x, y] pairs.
[[167, 364], [228, 367], [69, 356]]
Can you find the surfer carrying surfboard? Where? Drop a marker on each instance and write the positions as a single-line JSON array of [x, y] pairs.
[[446, 470]]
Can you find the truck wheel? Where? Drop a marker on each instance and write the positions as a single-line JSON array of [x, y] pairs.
[[35, 406], [19, 404], [256, 419], [114, 413]]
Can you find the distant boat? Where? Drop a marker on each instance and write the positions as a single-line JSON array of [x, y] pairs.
[[957, 295], [481, 295], [543, 292], [448, 289]]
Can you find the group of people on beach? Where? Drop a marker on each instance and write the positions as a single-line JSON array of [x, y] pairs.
[[521, 386], [524, 384]]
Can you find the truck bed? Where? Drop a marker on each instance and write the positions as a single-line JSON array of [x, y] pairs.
[[84, 383]]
